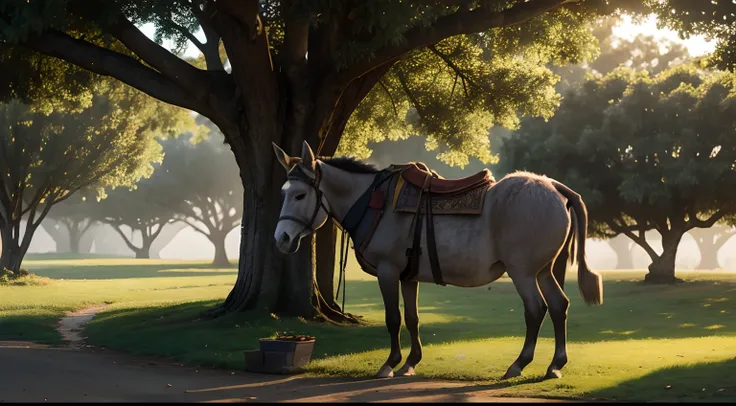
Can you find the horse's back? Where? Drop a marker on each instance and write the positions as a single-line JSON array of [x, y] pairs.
[[528, 217]]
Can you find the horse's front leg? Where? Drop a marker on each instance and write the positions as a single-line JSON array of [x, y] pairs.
[[410, 291], [388, 280]]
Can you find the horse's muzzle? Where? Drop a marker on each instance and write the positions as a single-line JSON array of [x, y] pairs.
[[286, 244]]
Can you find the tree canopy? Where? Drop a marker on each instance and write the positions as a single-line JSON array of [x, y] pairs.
[[647, 152]]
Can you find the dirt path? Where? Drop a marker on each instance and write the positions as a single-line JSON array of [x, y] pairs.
[[71, 326], [78, 373]]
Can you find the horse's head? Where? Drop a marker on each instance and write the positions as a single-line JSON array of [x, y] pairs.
[[304, 208]]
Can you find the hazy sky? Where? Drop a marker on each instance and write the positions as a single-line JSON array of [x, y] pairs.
[[697, 45]]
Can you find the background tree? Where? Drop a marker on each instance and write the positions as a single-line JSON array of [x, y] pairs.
[[70, 225], [484, 62], [49, 153], [648, 153], [622, 247], [136, 209], [201, 194], [711, 240]]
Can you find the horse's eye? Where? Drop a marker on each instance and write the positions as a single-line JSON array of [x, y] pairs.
[[301, 196]]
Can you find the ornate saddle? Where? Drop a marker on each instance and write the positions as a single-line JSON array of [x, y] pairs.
[[417, 174]]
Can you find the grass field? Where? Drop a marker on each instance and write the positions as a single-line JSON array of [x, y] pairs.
[[643, 339]]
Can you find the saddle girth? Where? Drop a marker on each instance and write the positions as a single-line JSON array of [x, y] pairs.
[[412, 267]]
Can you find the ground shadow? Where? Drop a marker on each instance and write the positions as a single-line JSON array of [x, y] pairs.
[[713, 381], [447, 314], [127, 271], [32, 327]]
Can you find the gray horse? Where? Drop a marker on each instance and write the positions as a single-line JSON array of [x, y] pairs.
[[529, 227]]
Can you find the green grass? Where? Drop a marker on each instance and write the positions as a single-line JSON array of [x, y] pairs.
[[641, 340], [31, 312]]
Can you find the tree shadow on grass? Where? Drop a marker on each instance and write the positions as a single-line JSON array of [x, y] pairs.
[[130, 271], [447, 315], [29, 327], [710, 382]]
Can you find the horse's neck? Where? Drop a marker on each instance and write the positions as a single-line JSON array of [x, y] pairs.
[[342, 188]]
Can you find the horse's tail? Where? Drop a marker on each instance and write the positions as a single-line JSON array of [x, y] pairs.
[[590, 282]]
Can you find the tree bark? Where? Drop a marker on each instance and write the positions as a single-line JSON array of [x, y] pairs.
[[218, 240], [14, 248], [621, 246], [10, 256], [662, 269]]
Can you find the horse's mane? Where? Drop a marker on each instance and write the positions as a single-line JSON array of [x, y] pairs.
[[350, 164]]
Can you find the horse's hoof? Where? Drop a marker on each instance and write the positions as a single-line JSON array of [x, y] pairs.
[[406, 370], [553, 374], [512, 372], [385, 372]]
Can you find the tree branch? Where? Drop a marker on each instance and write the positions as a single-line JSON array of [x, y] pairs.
[[210, 49], [693, 221], [457, 69], [461, 22], [175, 69], [391, 98], [128, 242], [626, 230], [195, 227], [110, 63]]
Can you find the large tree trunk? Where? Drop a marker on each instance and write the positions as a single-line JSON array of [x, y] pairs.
[[267, 279], [662, 269], [218, 240], [14, 248], [621, 246], [10, 256]]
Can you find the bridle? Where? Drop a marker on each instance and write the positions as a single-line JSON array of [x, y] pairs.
[[298, 174]]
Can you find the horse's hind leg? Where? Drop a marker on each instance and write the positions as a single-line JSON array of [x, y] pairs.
[[410, 291], [388, 280], [558, 304], [534, 311]]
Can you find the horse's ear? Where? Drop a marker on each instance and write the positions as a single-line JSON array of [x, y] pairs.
[[284, 159], [308, 156]]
